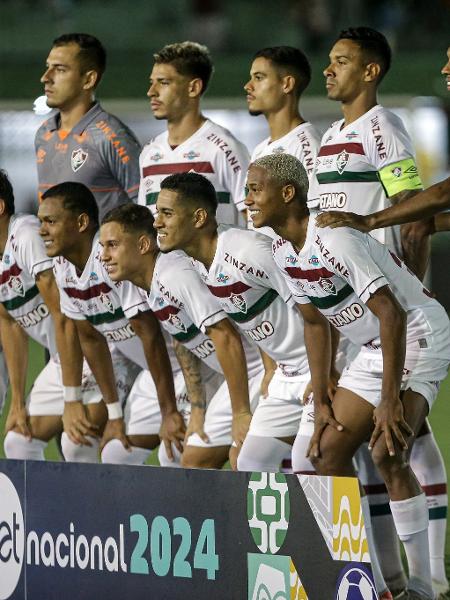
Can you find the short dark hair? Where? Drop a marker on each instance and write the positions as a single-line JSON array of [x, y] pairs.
[[373, 44], [92, 54], [132, 217], [6, 192], [189, 59], [76, 197], [193, 188], [292, 61]]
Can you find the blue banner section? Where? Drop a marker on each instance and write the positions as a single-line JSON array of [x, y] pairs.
[[88, 532]]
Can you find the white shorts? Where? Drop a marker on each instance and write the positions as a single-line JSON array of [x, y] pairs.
[[142, 414], [346, 352], [46, 396], [278, 415], [426, 365], [218, 418]]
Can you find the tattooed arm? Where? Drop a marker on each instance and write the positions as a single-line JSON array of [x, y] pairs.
[[191, 367]]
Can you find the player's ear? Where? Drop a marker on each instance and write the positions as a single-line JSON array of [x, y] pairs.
[[288, 192], [90, 80], [2, 207], [372, 72], [288, 84], [144, 244], [195, 87], [200, 217], [83, 222]]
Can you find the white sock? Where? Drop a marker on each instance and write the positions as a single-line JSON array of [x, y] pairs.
[[114, 453], [428, 465], [411, 521], [78, 452], [262, 454], [380, 584], [383, 529], [164, 460], [18, 446]]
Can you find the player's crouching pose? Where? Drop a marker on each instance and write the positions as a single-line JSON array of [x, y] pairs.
[[193, 317], [370, 296], [30, 308], [69, 224]]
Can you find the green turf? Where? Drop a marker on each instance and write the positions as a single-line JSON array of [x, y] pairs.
[[440, 419]]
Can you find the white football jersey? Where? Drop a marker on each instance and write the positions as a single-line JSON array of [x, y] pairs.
[[338, 270], [23, 259], [244, 278], [211, 151], [92, 296], [303, 142], [361, 165]]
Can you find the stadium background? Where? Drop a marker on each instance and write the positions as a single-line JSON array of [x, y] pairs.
[[233, 29]]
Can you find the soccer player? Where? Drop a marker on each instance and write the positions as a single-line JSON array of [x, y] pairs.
[[192, 142], [365, 162], [30, 308], [69, 228], [82, 142], [196, 321], [238, 268], [370, 295]]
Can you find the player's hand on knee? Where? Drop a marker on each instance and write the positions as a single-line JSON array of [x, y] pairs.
[[76, 423], [17, 420], [389, 419], [307, 394], [323, 417], [197, 425], [115, 430], [264, 387], [172, 431], [240, 426]]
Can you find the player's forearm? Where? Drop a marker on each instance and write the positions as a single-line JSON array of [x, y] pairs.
[[157, 359], [191, 368], [15, 349], [415, 238], [318, 348], [231, 356], [95, 349], [423, 205], [69, 350]]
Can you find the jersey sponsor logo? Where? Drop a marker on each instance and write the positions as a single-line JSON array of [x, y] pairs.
[[333, 200], [242, 266], [277, 244], [261, 332], [204, 349], [379, 142], [342, 269], [33, 317], [291, 259], [239, 302], [16, 285], [412, 170], [313, 260], [222, 278], [105, 300], [93, 276], [167, 296], [231, 159], [278, 150], [156, 157], [346, 316], [351, 136], [119, 335], [115, 143], [79, 157], [308, 157], [6, 259], [341, 161], [328, 286], [40, 156], [191, 155]]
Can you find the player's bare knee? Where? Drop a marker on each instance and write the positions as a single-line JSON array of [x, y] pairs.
[[388, 466]]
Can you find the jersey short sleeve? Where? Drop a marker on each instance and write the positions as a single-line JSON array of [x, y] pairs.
[[31, 250], [132, 298], [67, 305], [279, 248], [391, 151], [350, 251], [201, 306]]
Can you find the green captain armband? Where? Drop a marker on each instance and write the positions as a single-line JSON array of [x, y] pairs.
[[400, 176]]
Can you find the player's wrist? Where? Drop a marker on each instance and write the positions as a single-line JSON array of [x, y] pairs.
[[114, 410], [72, 393]]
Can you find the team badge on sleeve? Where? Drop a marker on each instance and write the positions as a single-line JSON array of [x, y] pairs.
[[239, 302], [79, 157], [16, 285]]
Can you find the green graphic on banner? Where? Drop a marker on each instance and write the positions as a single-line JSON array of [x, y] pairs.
[[268, 577], [268, 510]]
